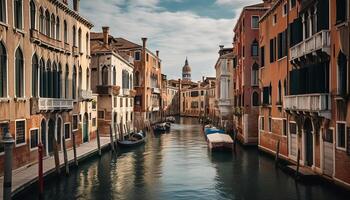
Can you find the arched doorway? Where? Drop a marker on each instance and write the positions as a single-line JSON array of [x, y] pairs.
[[51, 136], [86, 128], [59, 132], [308, 142], [43, 133]]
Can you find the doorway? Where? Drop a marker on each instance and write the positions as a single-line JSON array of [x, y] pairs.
[[308, 143], [86, 128]]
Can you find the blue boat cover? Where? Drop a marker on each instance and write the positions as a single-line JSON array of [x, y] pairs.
[[213, 130]]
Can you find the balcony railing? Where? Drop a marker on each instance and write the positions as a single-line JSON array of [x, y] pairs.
[[108, 90], [86, 94], [156, 90], [319, 41], [308, 102], [50, 104], [42, 39]]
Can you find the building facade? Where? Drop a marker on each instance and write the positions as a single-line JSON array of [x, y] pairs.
[[45, 89], [246, 83], [112, 80], [172, 103]]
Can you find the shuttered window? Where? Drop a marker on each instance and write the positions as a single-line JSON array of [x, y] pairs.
[[19, 74], [341, 10], [34, 138], [262, 56], [20, 132]]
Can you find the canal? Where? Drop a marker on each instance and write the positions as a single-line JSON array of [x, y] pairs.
[[178, 165]]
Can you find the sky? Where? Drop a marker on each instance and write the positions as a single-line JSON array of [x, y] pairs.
[[177, 28]]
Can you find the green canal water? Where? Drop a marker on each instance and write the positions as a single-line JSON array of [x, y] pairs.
[[178, 165]]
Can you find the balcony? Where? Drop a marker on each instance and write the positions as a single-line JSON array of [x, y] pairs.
[[44, 40], [318, 103], [156, 90], [108, 90], [50, 104], [126, 91], [225, 107], [85, 94], [319, 41], [75, 51]]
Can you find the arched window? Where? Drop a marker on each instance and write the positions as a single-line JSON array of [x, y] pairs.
[[125, 80], [87, 79], [255, 99], [54, 75], [105, 75], [87, 43], [130, 81], [74, 82], [48, 78], [35, 70], [58, 28], [255, 74], [342, 74], [41, 20], [19, 73], [270, 94], [79, 40], [255, 48], [114, 76], [32, 14], [47, 23], [137, 79], [53, 25], [66, 82], [59, 81], [65, 29], [80, 78], [74, 36], [3, 71], [18, 14], [42, 78]]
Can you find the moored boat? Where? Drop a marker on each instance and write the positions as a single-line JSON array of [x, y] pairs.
[[219, 141], [170, 119], [135, 139], [162, 127]]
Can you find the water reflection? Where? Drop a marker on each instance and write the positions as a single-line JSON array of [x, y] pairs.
[[178, 165]]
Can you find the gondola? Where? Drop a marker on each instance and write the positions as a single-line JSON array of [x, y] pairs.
[[162, 127], [135, 139], [170, 119]]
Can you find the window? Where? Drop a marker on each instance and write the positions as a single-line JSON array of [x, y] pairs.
[[35, 78], [53, 25], [255, 99], [34, 138], [75, 122], [125, 79], [94, 121], [341, 135], [80, 41], [262, 123], [243, 51], [66, 82], [341, 11], [255, 48], [121, 102], [32, 14], [285, 9], [65, 30], [41, 20], [67, 131], [87, 40], [3, 130], [279, 100], [292, 128], [272, 50], [58, 28], [3, 11], [3, 71], [274, 19], [80, 75], [87, 78], [101, 114], [104, 75], [114, 76], [74, 35], [270, 124], [194, 104], [20, 132], [255, 22], [292, 3], [262, 56], [74, 82], [18, 13], [19, 73], [255, 74], [284, 127], [282, 44], [342, 74], [47, 23], [147, 57], [137, 55]]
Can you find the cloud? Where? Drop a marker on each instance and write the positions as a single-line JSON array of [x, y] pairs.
[[176, 34]]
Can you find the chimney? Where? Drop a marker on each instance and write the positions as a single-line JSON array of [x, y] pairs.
[[202, 78], [144, 41], [157, 52], [76, 5], [221, 49], [105, 30]]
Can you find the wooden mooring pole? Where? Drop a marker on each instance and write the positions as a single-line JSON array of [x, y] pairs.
[[56, 157], [75, 149], [277, 152], [111, 138], [98, 142], [298, 164], [65, 157]]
